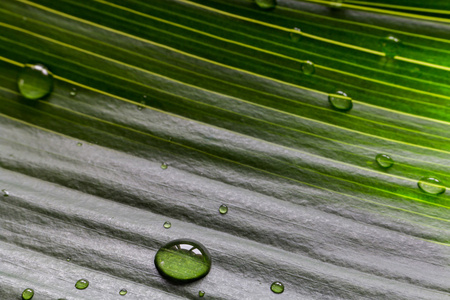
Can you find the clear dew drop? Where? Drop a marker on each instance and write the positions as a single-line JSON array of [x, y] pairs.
[[336, 4], [123, 292], [183, 260], [296, 35], [277, 287], [308, 68], [68, 259], [431, 185], [5, 193], [340, 101], [266, 4], [141, 107], [390, 46], [167, 225], [73, 92], [384, 160], [223, 209], [164, 166], [35, 81], [79, 144], [27, 294], [201, 293], [82, 284]]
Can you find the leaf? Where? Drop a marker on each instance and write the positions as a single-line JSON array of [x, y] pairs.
[[164, 110]]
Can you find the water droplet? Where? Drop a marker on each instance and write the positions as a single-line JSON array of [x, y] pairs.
[[164, 166], [266, 4], [223, 209], [35, 81], [277, 287], [5, 193], [340, 101], [296, 34], [79, 144], [167, 225], [141, 107], [201, 293], [27, 294], [73, 92], [68, 259], [431, 185], [123, 292], [82, 284], [336, 4], [390, 45], [384, 160], [183, 260], [308, 68]]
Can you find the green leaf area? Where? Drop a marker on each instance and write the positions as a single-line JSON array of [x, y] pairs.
[[164, 110]]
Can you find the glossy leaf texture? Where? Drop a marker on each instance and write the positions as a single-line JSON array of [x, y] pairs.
[[164, 110]]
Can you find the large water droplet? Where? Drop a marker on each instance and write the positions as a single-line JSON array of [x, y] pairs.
[[201, 293], [384, 160], [223, 209], [123, 292], [277, 287], [167, 225], [27, 294], [431, 185], [5, 193], [390, 45], [82, 284], [340, 101], [266, 4], [308, 68], [296, 34], [183, 260], [35, 81]]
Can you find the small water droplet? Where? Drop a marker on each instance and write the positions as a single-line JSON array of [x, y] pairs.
[[384, 160], [201, 293], [164, 166], [296, 34], [123, 292], [266, 4], [183, 260], [308, 68], [340, 101], [336, 4], [167, 225], [79, 144], [35, 81], [431, 185], [73, 92], [68, 259], [277, 287], [390, 45], [82, 284], [27, 294], [223, 209], [141, 107], [5, 193]]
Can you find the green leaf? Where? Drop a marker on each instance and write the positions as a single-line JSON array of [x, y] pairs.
[[165, 110]]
